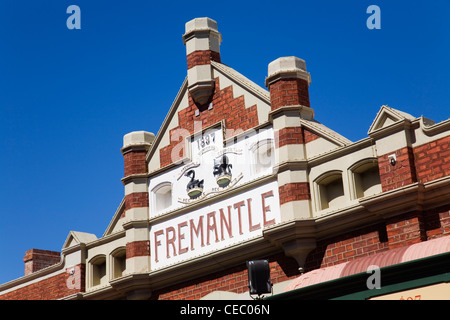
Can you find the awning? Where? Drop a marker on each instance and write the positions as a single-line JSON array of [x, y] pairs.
[[382, 259]]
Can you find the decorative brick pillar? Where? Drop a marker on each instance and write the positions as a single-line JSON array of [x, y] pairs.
[[202, 42], [36, 259], [135, 147], [288, 84]]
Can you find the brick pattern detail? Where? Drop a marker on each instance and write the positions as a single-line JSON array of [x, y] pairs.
[[289, 92], [347, 247], [437, 222], [136, 200], [237, 118], [406, 230], [403, 230], [433, 160], [137, 249], [202, 57], [52, 288], [294, 191], [232, 280], [294, 135], [288, 135], [134, 162], [309, 136], [400, 174], [36, 259]]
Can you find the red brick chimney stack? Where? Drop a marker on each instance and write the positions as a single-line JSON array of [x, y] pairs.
[[36, 259]]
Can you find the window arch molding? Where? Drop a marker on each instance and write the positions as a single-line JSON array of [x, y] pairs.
[[97, 270], [117, 259], [162, 196], [364, 178], [329, 190], [263, 155]]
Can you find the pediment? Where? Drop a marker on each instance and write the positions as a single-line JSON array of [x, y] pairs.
[[233, 89], [75, 237], [388, 116]]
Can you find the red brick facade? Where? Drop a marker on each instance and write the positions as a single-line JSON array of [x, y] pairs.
[[53, 288], [401, 173], [424, 163], [432, 160], [399, 231]]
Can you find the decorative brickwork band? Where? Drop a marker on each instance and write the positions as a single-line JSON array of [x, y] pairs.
[[137, 249], [289, 92], [134, 162], [202, 57], [136, 200], [294, 191], [293, 135], [232, 110], [289, 135]]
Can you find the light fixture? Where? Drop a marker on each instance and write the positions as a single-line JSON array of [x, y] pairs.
[[259, 278]]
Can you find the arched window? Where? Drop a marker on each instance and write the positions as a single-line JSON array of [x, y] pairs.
[[263, 156], [162, 196], [97, 271], [365, 178], [329, 190], [118, 262]]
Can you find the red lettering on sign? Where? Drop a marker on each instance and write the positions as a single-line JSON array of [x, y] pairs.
[[238, 206], [157, 243], [251, 226], [181, 237], [171, 240], [266, 208], [224, 222], [211, 227], [197, 230]]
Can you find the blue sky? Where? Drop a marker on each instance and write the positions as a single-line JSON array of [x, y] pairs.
[[67, 97]]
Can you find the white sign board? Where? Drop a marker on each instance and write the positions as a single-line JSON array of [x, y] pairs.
[[214, 227]]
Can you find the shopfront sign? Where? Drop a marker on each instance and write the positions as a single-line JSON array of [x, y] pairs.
[[215, 226]]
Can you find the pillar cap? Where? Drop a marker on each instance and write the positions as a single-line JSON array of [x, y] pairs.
[[287, 67], [138, 138], [201, 24], [201, 28]]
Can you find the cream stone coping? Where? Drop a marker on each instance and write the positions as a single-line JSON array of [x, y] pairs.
[[202, 34], [138, 138], [287, 67]]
